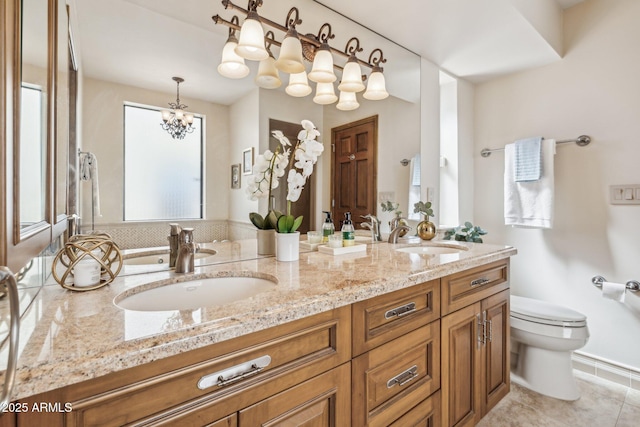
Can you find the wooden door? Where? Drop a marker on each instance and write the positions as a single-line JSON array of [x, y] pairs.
[[323, 401], [354, 179], [496, 384], [461, 362]]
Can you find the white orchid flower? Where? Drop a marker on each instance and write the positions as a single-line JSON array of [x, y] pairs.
[[296, 183], [277, 134]]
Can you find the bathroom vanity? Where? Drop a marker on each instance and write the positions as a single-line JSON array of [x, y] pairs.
[[380, 338]]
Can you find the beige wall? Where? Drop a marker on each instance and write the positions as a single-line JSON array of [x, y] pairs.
[[593, 90]]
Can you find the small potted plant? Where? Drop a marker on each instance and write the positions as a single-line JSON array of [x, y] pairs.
[[426, 229], [390, 206], [465, 233]]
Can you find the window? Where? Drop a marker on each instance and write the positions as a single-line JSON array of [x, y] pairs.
[[162, 175]]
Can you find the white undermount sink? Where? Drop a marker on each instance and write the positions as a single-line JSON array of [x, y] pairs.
[[162, 257], [192, 294], [434, 249]]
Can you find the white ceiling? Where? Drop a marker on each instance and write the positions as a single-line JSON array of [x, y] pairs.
[[146, 42]]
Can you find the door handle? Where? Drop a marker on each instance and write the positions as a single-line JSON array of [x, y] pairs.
[[352, 156], [14, 334]]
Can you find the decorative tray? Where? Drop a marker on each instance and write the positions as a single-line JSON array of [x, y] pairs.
[[358, 247]]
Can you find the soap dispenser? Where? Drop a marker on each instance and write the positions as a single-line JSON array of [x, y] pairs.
[[327, 228], [348, 232]]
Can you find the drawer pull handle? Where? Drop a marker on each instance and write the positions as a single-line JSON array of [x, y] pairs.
[[234, 373], [490, 330], [401, 311], [479, 282], [404, 377]]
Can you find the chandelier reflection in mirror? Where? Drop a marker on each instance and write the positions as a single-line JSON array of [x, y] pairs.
[[253, 44], [177, 122]]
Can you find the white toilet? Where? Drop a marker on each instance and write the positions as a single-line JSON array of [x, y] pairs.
[[543, 336]]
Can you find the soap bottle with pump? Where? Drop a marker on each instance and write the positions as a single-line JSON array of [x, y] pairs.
[[348, 232], [327, 228]]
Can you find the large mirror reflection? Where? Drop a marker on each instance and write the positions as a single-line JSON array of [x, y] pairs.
[[129, 51], [33, 114]]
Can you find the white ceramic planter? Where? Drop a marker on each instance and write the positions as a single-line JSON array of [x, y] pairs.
[[288, 246], [266, 242]]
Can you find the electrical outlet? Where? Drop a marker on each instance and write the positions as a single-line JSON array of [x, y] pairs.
[[627, 194]]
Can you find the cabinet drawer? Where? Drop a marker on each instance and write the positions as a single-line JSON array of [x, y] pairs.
[[391, 379], [467, 287], [383, 318], [426, 414], [291, 352], [322, 401]]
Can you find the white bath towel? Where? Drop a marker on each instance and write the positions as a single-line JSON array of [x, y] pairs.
[[529, 204]]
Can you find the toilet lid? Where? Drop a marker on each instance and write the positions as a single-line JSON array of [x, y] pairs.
[[545, 312]]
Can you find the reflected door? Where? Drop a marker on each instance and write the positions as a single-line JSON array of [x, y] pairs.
[[354, 180]]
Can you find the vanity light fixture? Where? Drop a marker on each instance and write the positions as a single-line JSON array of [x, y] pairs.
[[232, 65], [177, 122], [295, 49]]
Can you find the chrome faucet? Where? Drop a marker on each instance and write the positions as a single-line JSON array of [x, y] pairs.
[[173, 244], [395, 233], [373, 225], [186, 252]]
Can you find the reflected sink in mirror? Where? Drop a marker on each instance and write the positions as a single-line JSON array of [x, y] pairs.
[[161, 256], [433, 249], [192, 294]]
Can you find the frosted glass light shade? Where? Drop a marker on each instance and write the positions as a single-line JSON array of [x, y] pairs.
[[232, 65], [351, 78], [347, 101], [251, 43], [166, 115], [322, 70], [290, 59], [268, 76], [298, 85], [325, 94], [376, 87]]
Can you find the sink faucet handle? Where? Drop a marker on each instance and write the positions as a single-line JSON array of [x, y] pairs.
[[175, 229]]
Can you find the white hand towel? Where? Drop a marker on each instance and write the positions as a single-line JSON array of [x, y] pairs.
[[529, 204], [528, 159]]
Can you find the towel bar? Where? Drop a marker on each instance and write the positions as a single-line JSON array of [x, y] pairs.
[[581, 141]]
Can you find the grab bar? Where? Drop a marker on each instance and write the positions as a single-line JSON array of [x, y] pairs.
[[14, 331]]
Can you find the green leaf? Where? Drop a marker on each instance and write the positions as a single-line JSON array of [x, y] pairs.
[[257, 220], [285, 223], [271, 221], [468, 224], [297, 223]]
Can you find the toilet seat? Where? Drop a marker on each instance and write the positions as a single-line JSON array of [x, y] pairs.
[[545, 313]]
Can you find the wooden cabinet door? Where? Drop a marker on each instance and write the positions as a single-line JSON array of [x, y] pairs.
[[321, 401], [461, 341], [496, 378]]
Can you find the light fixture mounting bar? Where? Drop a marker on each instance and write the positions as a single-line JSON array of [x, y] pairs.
[[228, 4]]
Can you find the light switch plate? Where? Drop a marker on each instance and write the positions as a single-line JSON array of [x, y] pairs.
[[627, 194]]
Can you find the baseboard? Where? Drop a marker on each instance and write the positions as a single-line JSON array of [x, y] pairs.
[[606, 369]]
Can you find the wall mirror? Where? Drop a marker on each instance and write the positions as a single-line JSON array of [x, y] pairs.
[[128, 51], [32, 129]]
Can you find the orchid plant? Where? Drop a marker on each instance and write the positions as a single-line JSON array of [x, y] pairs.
[[271, 166]]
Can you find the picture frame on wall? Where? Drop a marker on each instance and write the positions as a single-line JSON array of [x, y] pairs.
[[235, 176], [247, 161]]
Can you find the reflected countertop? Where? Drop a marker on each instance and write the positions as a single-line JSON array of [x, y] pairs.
[[67, 337]]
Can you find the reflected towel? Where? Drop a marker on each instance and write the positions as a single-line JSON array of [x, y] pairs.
[[528, 159], [89, 172], [414, 187], [529, 204]]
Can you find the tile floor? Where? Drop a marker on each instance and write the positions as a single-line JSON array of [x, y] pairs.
[[603, 404]]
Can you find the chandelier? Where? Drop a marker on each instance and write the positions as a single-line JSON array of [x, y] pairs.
[[177, 122], [253, 44]]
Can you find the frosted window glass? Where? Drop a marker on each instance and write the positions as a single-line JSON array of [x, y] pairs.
[[162, 175], [32, 156]]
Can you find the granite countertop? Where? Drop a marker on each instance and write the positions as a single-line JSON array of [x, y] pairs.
[[67, 337]]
